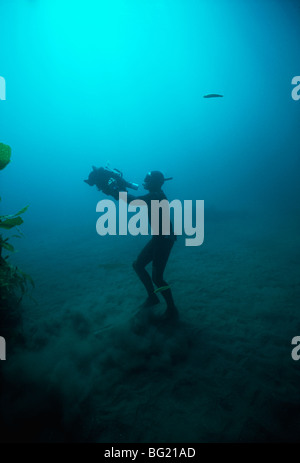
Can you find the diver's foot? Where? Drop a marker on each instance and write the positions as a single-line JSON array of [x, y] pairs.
[[140, 321], [171, 315], [150, 301]]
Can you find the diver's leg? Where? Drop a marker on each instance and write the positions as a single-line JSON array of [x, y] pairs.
[[144, 258], [161, 255]]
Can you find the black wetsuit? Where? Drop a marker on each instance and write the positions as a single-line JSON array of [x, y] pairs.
[[156, 251]]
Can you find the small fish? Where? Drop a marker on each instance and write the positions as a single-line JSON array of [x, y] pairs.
[[213, 95]]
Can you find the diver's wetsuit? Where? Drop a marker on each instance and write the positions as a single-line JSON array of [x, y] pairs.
[[156, 251]]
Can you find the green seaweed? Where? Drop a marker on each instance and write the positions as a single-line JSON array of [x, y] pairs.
[[13, 282], [5, 154]]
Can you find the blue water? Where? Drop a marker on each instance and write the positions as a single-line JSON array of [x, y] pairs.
[[123, 82]]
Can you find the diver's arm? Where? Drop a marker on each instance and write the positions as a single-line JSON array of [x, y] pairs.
[[115, 192], [139, 200], [128, 198]]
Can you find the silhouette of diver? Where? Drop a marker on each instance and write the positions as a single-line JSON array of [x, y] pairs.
[[156, 251]]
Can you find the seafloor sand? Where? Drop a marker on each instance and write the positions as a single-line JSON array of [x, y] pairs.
[[225, 374]]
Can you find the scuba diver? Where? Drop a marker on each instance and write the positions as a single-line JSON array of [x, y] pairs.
[[158, 249]]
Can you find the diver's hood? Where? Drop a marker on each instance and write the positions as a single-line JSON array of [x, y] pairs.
[[155, 179]]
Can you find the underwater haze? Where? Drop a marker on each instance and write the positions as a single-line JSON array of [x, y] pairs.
[[123, 82]]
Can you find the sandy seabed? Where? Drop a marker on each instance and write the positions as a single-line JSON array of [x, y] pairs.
[[86, 371]]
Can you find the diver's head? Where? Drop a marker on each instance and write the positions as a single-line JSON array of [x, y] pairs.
[[153, 181]]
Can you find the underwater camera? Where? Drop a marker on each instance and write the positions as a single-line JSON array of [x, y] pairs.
[[109, 181]]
